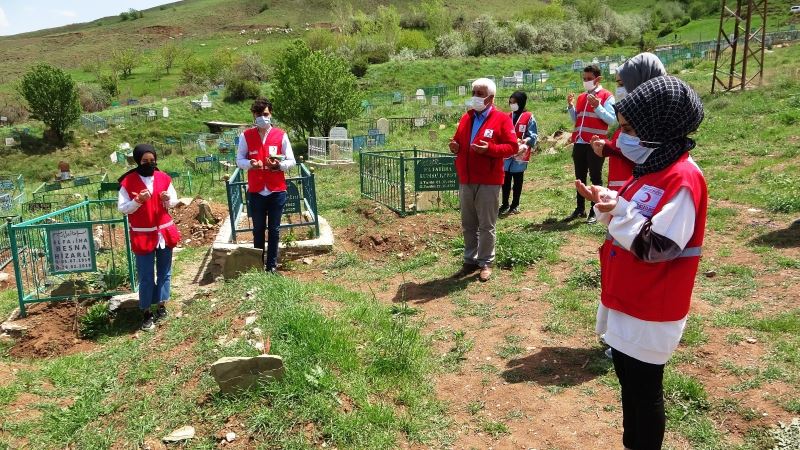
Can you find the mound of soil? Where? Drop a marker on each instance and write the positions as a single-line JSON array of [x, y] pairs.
[[385, 233], [193, 233], [50, 332]]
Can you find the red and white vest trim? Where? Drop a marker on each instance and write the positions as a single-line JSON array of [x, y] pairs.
[[259, 179], [587, 122], [152, 218]]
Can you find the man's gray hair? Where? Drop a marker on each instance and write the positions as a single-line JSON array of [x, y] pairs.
[[487, 83]]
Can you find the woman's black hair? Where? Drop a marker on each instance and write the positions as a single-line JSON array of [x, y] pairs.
[[521, 98]]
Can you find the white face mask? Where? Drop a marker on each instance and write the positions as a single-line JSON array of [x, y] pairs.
[[263, 122], [631, 147], [514, 107], [620, 93], [478, 103], [589, 85]]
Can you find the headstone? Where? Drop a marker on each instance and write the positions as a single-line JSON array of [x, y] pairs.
[[124, 301], [234, 374], [383, 126], [205, 98], [448, 103], [462, 91], [10, 142], [3, 119], [420, 95], [435, 100], [338, 133], [419, 122], [165, 112], [612, 68]]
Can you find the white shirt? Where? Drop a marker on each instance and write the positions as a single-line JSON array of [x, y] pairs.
[[126, 205], [651, 342], [243, 158]]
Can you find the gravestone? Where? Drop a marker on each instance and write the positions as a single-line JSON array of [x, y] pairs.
[[462, 91], [383, 126], [435, 100], [518, 76], [419, 122], [448, 104], [612, 68], [338, 133], [233, 374], [420, 95], [165, 112], [10, 142]]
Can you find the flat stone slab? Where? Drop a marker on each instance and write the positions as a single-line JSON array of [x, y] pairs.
[[241, 260], [123, 301], [234, 374]]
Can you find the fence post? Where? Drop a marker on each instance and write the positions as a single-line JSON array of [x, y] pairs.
[[313, 189], [17, 270], [361, 172], [131, 278], [402, 184], [230, 205]]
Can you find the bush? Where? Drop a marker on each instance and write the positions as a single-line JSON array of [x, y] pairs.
[[187, 89], [405, 54], [250, 67], [451, 45], [238, 90], [542, 13], [525, 37], [685, 21], [13, 108], [109, 83], [124, 61], [52, 98], [96, 321], [697, 10], [263, 8], [414, 40], [318, 39], [668, 12], [666, 31], [206, 72], [93, 97], [489, 38], [359, 67]]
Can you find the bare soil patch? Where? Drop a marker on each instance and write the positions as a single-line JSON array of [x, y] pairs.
[[51, 331], [193, 233]]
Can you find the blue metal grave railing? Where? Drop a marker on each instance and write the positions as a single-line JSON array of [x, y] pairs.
[[392, 177], [78, 188], [301, 200], [363, 142], [40, 275]]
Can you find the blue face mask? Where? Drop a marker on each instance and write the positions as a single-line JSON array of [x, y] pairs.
[[631, 147], [263, 122]]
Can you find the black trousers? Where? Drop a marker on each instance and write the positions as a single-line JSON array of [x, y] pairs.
[[266, 215], [516, 177], [643, 418], [586, 161]]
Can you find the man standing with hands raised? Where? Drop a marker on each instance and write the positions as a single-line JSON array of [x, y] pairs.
[[484, 138], [265, 153], [592, 116]]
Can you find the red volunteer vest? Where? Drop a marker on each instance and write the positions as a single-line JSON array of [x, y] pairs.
[[620, 168], [520, 127], [498, 131], [258, 179], [662, 291], [587, 122], [151, 219]]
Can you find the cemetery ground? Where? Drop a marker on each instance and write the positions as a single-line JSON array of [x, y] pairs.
[[383, 350]]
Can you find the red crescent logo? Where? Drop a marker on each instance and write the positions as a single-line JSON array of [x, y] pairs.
[[647, 197]]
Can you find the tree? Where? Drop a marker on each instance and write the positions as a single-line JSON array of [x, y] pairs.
[[167, 56], [313, 90], [124, 61], [52, 98]]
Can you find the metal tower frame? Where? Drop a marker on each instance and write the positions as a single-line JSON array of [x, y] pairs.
[[743, 49]]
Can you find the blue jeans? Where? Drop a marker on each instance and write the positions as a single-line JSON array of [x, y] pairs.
[[154, 287], [266, 214]]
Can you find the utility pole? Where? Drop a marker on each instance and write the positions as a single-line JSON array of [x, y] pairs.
[[742, 48]]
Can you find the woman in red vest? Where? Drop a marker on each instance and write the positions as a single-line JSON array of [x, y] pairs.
[[145, 195], [634, 72], [650, 257], [515, 166], [265, 153]]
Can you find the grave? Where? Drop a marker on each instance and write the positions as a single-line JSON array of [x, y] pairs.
[[330, 151], [419, 96], [383, 126], [337, 133], [201, 104], [435, 100], [462, 91]]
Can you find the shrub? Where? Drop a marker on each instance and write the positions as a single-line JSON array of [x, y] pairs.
[[405, 54], [685, 21], [668, 12], [52, 98], [239, 89], [12, 107], [109, 83], [93, 97], [525, 37], [318, 39], [206, 72], [187, 89], [666, 31], [124, 61], [451, 45], [541, 13], [250, 67], [359, 67], [96, 321], [414, 40], [489, 38], [263, 8], [437, 17]]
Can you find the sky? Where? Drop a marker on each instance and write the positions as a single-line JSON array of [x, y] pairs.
[[20, 16]]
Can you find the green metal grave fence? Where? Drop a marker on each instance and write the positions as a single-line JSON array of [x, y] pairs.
[[81, 251], [301, 200], [5, 241], [407, 181]]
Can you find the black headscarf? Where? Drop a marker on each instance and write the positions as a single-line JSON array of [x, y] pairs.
[[522, 99], [663, 111], [138, 154]]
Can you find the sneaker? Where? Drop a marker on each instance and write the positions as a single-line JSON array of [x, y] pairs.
[[273, 271], [575, 215], [161, 313], [148, 324], [513, 211], [466, 269], [591, 220], [609, 353], [503, 210], [486, 273]]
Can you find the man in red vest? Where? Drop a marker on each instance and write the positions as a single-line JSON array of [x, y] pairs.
[[266, 154], [145, 195], [650, 257], [592, 116], [484, 138]]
